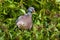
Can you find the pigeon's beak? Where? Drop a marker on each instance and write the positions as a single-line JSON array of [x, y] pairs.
[[33, 11]]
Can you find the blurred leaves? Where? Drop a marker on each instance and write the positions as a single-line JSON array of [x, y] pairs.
[[46, 20]]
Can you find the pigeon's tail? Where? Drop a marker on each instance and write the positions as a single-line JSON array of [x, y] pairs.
[[20, 23]]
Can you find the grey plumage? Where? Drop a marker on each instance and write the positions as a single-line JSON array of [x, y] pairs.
[[25, 21]]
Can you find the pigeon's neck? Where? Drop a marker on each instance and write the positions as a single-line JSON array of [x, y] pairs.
[[29, 13]]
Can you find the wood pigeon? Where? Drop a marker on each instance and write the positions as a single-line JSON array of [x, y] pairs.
[[25, 21]]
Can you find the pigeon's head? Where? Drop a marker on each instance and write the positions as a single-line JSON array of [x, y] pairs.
[[31, 9]]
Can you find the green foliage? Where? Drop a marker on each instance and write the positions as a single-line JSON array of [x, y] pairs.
[[46, 20]]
